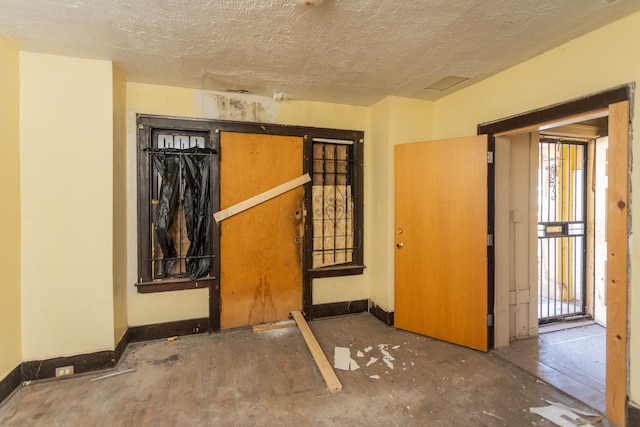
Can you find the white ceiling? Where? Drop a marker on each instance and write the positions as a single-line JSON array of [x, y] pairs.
[[344, 51]]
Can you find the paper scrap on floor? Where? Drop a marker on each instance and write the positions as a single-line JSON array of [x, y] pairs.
[[566, 417], [342, 359]]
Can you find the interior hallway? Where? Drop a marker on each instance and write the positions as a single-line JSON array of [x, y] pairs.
[[269, 378], [569, 356]]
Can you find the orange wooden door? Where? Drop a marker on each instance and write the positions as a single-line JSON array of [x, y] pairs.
[[441, 240], [260, 248]]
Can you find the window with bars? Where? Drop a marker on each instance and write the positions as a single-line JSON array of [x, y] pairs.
[[180, 210], [176, 198], [333, 203]]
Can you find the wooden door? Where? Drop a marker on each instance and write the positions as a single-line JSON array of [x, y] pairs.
[[441, 240], [260, 248]]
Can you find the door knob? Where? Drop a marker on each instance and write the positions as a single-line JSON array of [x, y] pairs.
[[399, 245]]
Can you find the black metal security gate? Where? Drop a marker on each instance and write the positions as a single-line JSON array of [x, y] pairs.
[[562, 182]]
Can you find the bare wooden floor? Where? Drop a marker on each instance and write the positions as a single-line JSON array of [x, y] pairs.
[[572, 359], [268, 378]]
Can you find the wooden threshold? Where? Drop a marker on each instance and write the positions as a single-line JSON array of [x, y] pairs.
[[271, 326]]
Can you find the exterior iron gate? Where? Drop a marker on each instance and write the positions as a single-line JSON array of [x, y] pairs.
[[562, 182]]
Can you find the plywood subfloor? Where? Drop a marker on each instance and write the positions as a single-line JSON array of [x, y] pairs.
[[268, 378]]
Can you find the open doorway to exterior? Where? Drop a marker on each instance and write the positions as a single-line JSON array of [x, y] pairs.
[[562, 228], [516, 237], [571, 195]]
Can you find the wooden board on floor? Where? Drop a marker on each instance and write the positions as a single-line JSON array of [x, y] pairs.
[[326, 370]]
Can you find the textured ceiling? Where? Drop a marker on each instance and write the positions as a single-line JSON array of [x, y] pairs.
[[343, 51]]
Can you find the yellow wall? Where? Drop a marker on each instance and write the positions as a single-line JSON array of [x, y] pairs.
[[119, 205], [10, 337], [394, 121], [172, 101], [380, 206], [66, 131], [597, 61]]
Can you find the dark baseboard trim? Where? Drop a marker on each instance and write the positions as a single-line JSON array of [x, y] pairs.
[[169, 329], [10, 383], [82, 363], [122, 346], [42, 369], [339, 308], [381, 314], [633, 415]]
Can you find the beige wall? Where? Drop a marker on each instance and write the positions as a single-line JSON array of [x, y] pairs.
[[119, 205], [10, 331], [597, 61], [394, 120], [66, 177], [172, 101]]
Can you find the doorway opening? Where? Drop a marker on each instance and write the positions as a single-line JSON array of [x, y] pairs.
[[571, 193], [562, 228], [515, 285]]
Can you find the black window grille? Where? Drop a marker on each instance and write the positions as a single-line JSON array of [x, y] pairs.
[[333, 203]]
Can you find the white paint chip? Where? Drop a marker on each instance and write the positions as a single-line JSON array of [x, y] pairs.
[[388, 358], [372, 361], [374, 377], [360, 354], [342, 358], [395, 347], [562, 416], [368, 349]]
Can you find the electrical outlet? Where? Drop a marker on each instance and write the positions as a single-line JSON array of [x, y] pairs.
[[63, 371]]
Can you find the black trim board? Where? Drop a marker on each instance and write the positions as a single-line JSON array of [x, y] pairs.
[[386, 317], [89, 362], [82, 363], [558, 111], [42, 369], [11, 382], [340, 308], [169, 329], [633, 415], [352, 307]]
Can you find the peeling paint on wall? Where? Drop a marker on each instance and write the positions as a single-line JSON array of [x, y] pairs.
[[241, 107]]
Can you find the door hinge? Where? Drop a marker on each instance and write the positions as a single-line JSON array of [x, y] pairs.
[[490, 157], [489, 319], [489, 239]]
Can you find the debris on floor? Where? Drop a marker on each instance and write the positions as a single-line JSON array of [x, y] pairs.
[[113, 374], [492, 415], [565, 416], [328, 374], [344, 361], [387, 356]]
